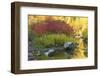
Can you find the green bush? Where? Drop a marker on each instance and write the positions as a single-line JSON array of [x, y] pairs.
[[30, 36], [85, 37], [51, 40], [85, 33]]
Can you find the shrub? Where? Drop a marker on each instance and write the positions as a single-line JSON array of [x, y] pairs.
[[52, 27], [52, 40]]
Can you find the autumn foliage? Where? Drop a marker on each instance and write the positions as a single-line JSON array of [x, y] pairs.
[[47, 32], [52, 27]]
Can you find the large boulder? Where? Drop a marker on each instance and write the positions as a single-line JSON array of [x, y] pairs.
[[50, 52], [69, 47]]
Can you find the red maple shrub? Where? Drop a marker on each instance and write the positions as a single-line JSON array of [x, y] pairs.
[[52, 27]]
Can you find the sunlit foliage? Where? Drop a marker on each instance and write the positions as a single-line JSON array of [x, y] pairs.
[[51, 31]]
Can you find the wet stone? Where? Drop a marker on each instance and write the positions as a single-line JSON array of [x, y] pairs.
[[30, 49]]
